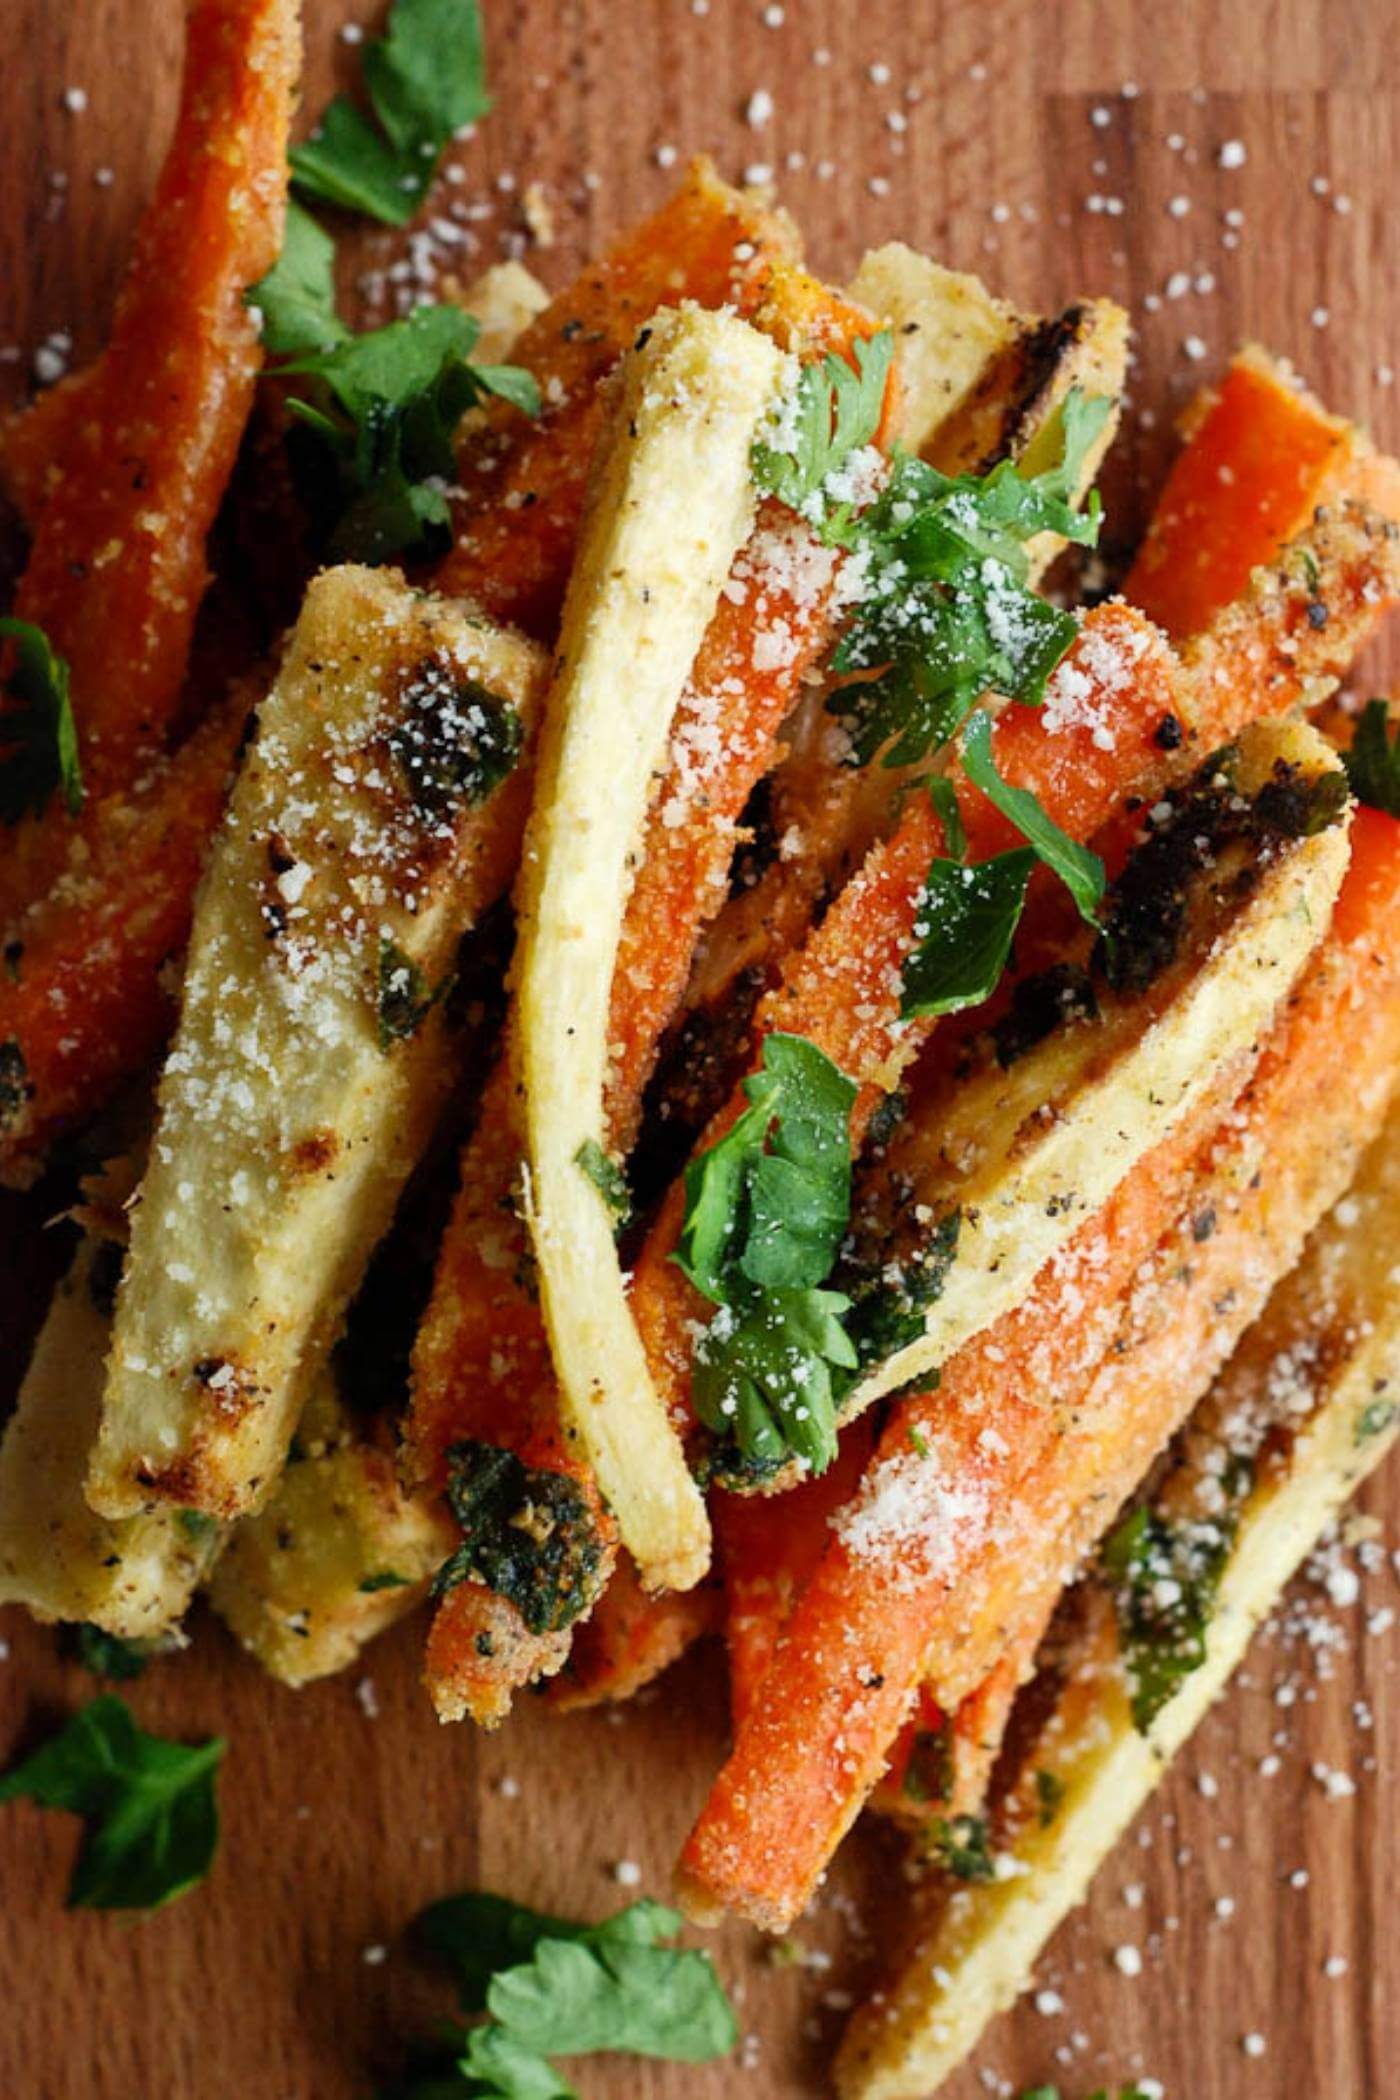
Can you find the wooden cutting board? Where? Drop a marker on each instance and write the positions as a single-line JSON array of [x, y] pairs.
[[1055, 149]]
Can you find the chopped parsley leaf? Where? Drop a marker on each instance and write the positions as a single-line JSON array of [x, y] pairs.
[[38, 738], [383, 1579], [426, 80], [404, 1000], [1166, 1573], [148, 1804], [1081, 871], [963, 1846], [766, 1210], [946, 614], [549, 1987], [832, 412], [1049, 1793], [375, 414], [608, 1179], [528, 1533], [108, 1655], [1373, 762], [1374, 1419], [967, 920]]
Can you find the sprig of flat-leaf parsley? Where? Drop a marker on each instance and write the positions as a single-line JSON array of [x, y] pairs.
[[833, 411], [1373, 762], [766, 1210], [945, 612], [377, 413], [549, 1987], [38, 737], [968, 914], [149, 1806], [426, 80]]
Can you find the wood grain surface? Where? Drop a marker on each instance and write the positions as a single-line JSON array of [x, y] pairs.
[[1055, 148]]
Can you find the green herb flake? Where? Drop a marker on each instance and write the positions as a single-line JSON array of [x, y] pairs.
[[1373, 762], [426, 81], [108, 1655], [455, 740], [1049, 1793], [833, 411], [1375, 1418], [608, 1179], [38, 737], [403, 999], [963, 1846], [1166, 1573], [149, 1806], [383, 1579], [296, 299], [528, 1533], [928, 1776], [197, 1527]]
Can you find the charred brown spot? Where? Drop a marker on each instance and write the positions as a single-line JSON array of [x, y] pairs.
[[315, 1153]]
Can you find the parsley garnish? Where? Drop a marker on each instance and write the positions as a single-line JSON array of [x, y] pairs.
[[108, 1655], [528, 1533], [404, 999], [149, 1805], [962, 1844], [969, 914], [766, 1210], [38, 739], [833, 411], [1373, 762], [385, 1579], [1080, 871], [1166, 1574], [967, 918], [608, 1178], [551, 1988], [1374, 1419], [946, 614], [1049, 1793], [426, 82], [376, 413]]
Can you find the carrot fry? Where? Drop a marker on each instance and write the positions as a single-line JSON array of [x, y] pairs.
[[143, 466], [84, 1003], [516, 526], [629, 1638], [1260, 456], [768, 1548], [35, 439], [940, 1766], [1121, 1376]]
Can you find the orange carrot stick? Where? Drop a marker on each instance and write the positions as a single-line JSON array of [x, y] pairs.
[[943, 1551], [524, 482], [34, 440], [84, 1000], [118, 567], [768, 1547], [1261, 455]]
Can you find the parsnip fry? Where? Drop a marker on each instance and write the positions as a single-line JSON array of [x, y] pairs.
[[377, 813], [1337, 1315], [672, 503], [133, 1576], [338, 1554]]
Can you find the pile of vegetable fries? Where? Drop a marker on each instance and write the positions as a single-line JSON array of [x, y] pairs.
[[647, 1037]]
